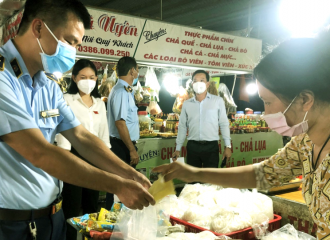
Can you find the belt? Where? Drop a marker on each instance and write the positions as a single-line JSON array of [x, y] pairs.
[[202, 142], [26, 215], [117, 139]]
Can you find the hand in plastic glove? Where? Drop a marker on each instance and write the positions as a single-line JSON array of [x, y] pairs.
[[133, 195], [134, 157], [175, 155], [177, 170], [143, 180]]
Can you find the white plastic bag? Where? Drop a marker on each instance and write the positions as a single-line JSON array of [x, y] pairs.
[[152, 82], [288, 232], [136, 224]]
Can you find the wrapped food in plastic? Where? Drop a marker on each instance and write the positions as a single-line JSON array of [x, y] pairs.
[[152, 82], [227, 98], [153, 108], [181, 97], [138, 90], [213, 88], [288, 232]]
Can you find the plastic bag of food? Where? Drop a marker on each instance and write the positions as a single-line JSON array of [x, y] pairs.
[[153, 108], [136, 224], [288, 232], [181, 97], [227, 98], [213, 88], [152, 82]]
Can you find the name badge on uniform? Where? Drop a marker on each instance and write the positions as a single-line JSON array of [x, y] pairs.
[[49, 113]]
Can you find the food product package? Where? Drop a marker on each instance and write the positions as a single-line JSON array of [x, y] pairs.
[[153, 108], [213, 88], [227, 98], [152, 82], [287, 232], [181, 97], [161, 189]]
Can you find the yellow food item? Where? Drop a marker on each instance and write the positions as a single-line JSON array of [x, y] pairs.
[[161, 189], [102, 214]]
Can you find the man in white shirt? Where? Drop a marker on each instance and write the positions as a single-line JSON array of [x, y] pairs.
[[202, 116]]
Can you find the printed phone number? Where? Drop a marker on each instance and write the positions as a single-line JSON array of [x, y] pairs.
[[104, 51]]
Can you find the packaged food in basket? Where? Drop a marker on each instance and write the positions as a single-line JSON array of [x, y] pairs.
[[99, 225]]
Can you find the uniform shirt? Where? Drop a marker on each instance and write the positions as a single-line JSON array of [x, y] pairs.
[[121, 105], [203, 120], [93, 118], [291, 161], [22, 185]]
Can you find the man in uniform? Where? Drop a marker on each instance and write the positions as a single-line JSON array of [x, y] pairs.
[[122, 115], [33, 111], [202, 116]]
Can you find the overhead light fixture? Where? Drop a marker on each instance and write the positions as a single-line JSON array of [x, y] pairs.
[[304, 18], [251, 89], [171, 83]]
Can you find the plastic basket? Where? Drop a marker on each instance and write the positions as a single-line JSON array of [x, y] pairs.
[[245, 234]]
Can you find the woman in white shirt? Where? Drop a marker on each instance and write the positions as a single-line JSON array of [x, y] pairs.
[[85, 101]]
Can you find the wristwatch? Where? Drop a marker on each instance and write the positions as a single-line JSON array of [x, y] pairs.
[[228, 147]]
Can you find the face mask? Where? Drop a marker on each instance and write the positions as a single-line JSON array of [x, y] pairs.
[[86, 86], [136, 79], [62, 60], [277, 122], [199, 87]]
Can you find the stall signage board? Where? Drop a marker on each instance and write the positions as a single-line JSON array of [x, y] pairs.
[[114, 35], [247, 149], [179, 45]]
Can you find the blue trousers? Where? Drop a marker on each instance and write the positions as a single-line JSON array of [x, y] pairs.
[[48, 228]]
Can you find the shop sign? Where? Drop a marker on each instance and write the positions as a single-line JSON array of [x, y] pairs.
[[112, 35], [178, 45]]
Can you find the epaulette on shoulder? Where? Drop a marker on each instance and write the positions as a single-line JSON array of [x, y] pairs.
[[2, 63], [52, 77]]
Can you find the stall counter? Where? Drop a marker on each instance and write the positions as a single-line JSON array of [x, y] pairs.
[[247, 149], [292, 208]]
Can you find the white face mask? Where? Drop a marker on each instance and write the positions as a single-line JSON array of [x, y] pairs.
[[199, 87], [86, 86]]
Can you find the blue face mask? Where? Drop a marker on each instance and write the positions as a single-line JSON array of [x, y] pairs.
[[136, 79], [62, 60]]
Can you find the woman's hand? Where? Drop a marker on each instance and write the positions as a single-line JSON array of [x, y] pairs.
[[179, 171]]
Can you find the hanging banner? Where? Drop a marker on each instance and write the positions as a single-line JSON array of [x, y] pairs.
[[178, 45], [112, 35], [247, 149]]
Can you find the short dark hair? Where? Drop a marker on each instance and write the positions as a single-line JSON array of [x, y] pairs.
[[297, 65], [124, 65], [201, 71], [79, 65], [53, 12]]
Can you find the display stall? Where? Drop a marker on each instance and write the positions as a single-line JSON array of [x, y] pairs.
[[158, 44]]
